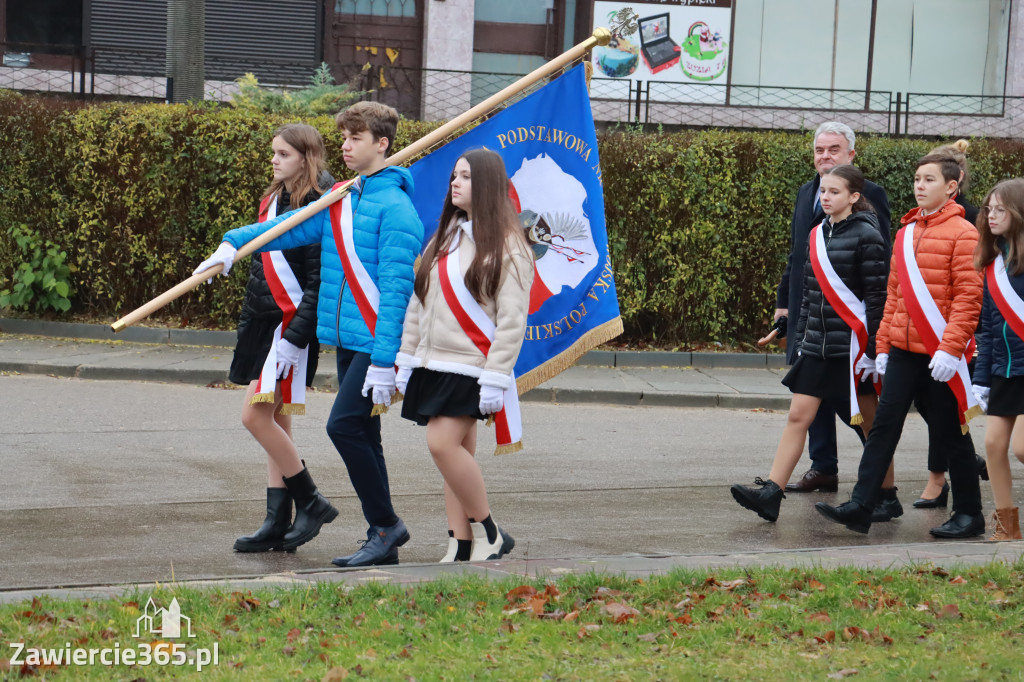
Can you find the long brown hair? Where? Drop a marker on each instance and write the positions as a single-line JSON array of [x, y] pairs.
[[494, 221], [854, 179], [308, 142], [1011, 195]]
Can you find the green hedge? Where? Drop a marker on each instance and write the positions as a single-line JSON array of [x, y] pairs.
[[698, 221]]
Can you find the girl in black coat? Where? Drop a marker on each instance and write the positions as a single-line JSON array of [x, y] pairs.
[[859, 256], [272, 323]]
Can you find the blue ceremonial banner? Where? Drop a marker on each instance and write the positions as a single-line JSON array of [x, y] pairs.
[[548, 143]]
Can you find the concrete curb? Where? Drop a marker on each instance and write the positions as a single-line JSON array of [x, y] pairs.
[[199, 337]]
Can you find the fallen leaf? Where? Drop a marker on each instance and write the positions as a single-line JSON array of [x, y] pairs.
[[288, 651], [949, 611], [815, 585], [521, 592], [572, 615], [335, 675], [733, 584], [620, 612], [536, 604], [293, 634], [820, 617], [649, 637]]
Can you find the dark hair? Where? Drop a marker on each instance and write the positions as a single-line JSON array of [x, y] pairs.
[[946, 163], [308, 142], [380, 119], [854, 179], [1011, 195], [494, 222]]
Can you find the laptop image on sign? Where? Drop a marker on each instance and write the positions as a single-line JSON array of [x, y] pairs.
[[656, 47]]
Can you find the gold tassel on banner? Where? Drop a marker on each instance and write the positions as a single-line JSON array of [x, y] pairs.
[[567, 358], [261, 398], [508, 449], [378, 410], [856, 420], [296, 409], [968, 416]]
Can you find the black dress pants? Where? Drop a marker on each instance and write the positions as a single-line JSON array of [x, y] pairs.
[[907, 378]]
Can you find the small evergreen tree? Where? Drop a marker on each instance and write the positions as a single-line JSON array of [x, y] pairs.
[[321, 96]]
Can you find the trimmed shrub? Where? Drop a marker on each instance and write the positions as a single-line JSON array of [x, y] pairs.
[[698, 221]]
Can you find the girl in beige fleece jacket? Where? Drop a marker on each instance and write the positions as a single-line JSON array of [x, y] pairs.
[[448, 382]]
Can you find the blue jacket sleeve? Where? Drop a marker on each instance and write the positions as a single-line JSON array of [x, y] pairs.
[[305, 233], [983, 336], [401, 236]]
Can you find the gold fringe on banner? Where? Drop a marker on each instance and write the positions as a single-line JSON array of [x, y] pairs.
[[564, 360], [969, 415], [293, 408], [261, 398], [856, 420], [378, 410], [508, 449]]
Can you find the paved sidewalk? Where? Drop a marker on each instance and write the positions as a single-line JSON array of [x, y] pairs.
[[692, 380], [665, 379]]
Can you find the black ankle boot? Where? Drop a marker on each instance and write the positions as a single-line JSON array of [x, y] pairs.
[[888, 508], [312, 510], [765, 500], [271, 534]]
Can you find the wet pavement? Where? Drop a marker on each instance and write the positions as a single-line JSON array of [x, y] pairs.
[[126, 463]]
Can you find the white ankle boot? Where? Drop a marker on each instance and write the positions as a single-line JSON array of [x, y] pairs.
[[488, 551], [453, 549]]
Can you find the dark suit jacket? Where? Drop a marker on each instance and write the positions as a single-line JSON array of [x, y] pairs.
[[805, 217]]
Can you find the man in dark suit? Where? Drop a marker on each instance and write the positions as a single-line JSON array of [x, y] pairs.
[[833, 146]]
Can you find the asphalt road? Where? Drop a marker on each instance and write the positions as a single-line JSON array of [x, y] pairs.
[[115, 482]]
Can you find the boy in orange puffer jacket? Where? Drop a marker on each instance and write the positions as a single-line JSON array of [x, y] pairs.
[[934, 300]]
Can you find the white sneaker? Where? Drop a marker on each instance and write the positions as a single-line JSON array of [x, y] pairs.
[[453, 549], [487, 551]]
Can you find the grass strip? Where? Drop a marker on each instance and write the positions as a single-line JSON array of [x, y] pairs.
[[919, 622]]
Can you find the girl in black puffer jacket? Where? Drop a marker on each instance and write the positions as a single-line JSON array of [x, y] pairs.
[[276, 352], [849, 259]]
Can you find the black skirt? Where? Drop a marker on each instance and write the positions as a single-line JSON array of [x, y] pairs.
[[826, 379], [254, 341], [440, 394], [1007, 397]]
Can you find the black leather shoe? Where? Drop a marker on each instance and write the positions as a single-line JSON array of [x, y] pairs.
[[888, 508], [814, 480], [982, 467], [935, 502], [850, 514], [270, 535], [765, 500], [961, 525], [380, 549]]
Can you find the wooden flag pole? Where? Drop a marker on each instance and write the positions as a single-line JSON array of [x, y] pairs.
[[601, 36]]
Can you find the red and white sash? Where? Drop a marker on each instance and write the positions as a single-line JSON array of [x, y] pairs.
[[363, 288], [850, 308], [1006, 299], [929, 322], [508, 424], [287, 293]]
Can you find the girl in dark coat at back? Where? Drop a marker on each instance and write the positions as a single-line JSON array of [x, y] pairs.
[[849, 259], [276, 353]]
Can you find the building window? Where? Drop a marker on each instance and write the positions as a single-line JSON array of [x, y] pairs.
[[376, 8]]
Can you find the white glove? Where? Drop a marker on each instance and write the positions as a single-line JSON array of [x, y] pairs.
[[881, 360], [382, 381], [981, 395], [943, 366], [492, 399], [402, 379], [867, 365], [287, 357], [492, 390], [224, 255]]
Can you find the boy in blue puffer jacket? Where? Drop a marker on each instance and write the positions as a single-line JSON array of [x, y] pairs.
[[369, 242]]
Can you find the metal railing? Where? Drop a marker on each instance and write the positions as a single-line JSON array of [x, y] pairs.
[[436, 94]]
